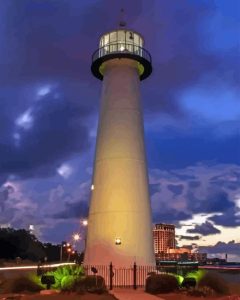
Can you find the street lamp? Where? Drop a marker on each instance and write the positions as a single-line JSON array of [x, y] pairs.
[[61, 250], [76, 237], [84, 222]]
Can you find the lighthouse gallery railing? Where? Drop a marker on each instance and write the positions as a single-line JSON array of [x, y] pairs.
[[121, 47]]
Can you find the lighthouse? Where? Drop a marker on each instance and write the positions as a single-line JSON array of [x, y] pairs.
[[119, 222]]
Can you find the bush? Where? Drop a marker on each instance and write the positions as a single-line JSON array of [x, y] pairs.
[[92, 284], [20, 284], [189, 282], [203, 291], [215, 282], [66, 276], [161, 283]]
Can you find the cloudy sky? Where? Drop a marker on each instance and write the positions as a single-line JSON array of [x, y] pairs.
[[50, 102]]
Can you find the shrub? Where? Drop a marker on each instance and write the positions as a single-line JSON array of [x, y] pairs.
[[197, 275], [189, 282], [161, 283], [179, 278], [67, 283], [91, 283], [20, 284], [37, 280], [203, 291], [66, 276], [215, 282]]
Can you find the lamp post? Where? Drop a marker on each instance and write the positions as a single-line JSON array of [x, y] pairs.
[[63, 244], [84, 223], [69, 250]]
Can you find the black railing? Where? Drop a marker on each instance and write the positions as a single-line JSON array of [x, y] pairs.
[[131, 277], [121, 48]]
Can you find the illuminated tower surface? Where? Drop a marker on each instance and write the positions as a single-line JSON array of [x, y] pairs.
[[119, 224]]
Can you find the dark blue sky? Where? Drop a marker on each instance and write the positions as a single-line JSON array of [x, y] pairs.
[[50, 102]]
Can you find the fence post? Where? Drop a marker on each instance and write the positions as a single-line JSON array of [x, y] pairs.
[[134, 276], [111, 276]]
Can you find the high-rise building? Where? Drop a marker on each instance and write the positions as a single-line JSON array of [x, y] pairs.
[[163, 237], [119, 222]]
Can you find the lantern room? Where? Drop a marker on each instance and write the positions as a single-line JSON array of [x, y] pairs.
[[121, 43]]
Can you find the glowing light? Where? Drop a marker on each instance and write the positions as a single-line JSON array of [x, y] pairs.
[[65, 170], [118, 241], [25, 120], [84, 222], [31, 227], [92, 187], [76, 237]]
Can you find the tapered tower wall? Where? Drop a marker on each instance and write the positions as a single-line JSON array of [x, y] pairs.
[[120, 206]]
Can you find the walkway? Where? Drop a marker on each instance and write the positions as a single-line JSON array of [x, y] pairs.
[[130, 294]]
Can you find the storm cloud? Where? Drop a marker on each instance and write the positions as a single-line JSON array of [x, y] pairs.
[[206, 228]]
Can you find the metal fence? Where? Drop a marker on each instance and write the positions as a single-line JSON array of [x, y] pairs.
[[132, 277]]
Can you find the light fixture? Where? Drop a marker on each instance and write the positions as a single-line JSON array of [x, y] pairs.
[[85, 222], [118, 241], [76, 237], [92, 187]]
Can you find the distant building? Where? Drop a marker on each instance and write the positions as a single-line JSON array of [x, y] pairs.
[[179, 250], [165, 246], [163, 237], [216, 261], [6, 225], [182, 254]]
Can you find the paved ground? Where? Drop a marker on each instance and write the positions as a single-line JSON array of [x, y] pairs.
[[130, 294]]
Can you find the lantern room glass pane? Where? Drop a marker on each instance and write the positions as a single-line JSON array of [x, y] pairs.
[[121, 36], [113, 37], [136, 39], [106, 39]]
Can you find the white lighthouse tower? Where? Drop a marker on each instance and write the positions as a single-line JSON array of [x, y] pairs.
[[119, 223]]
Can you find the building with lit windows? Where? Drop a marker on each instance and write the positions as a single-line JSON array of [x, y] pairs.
[[163, 237]]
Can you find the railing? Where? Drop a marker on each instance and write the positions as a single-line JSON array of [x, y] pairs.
[[121, 47], [131, 277]]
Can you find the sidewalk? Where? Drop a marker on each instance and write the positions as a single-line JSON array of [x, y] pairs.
[[130, 294]]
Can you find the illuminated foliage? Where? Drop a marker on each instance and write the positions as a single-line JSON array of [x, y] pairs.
[[37, 280], [197, 275], [179, 278], [66, 276]]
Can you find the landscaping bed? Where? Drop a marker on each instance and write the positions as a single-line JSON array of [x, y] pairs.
[[70, 296]]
